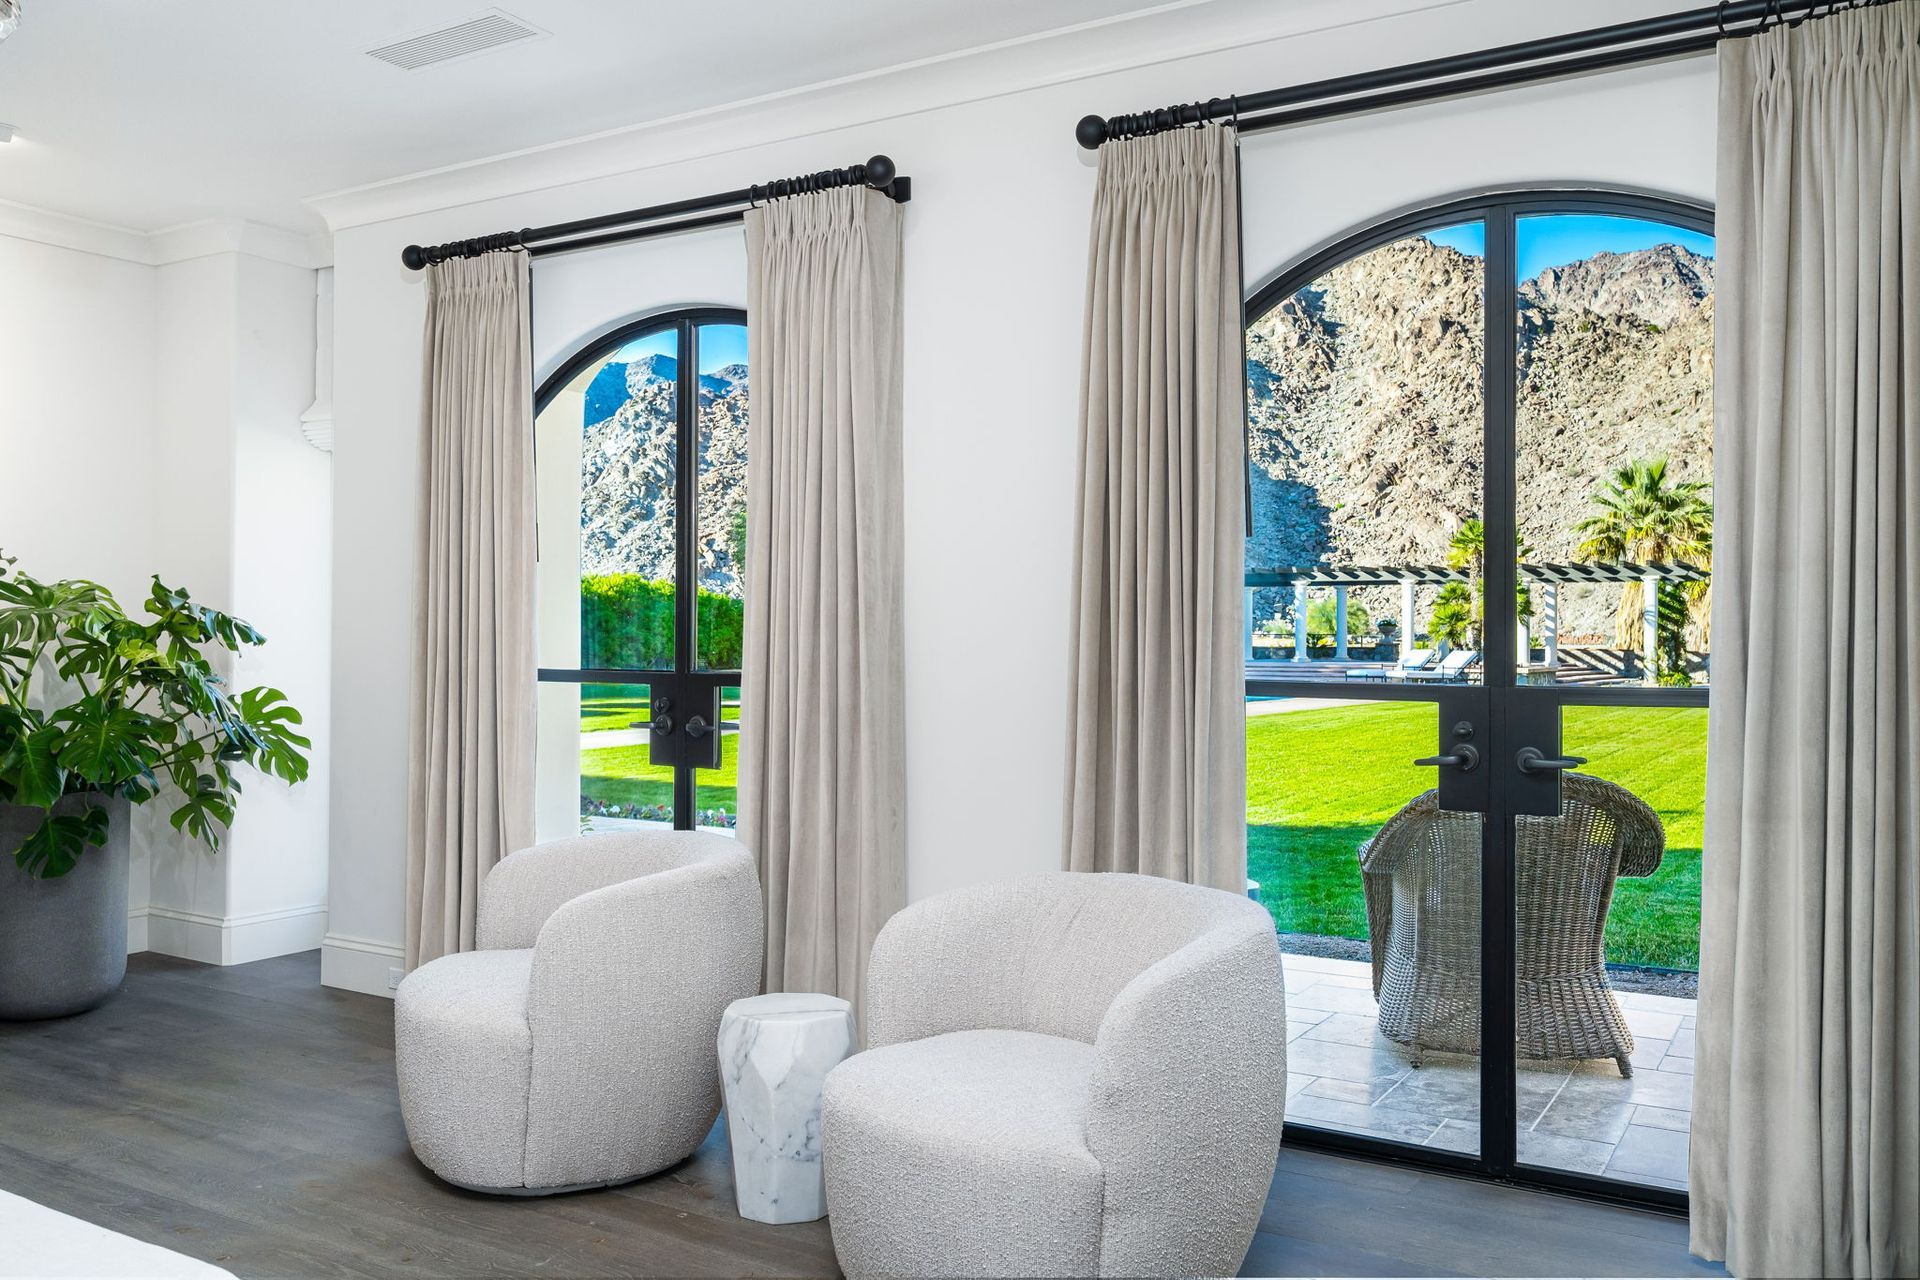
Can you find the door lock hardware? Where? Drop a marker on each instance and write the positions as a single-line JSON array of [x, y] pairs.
[[1465, 758], [1533, 760]]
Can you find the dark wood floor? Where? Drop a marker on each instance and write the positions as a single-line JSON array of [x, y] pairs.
[[247, 1116]]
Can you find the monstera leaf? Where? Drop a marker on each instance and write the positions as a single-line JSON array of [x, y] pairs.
[[138, 711]]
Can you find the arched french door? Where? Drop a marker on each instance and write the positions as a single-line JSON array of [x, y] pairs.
[[1499, 399], [641, 460]]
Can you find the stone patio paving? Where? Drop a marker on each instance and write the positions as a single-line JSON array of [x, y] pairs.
[[1343, 1074]]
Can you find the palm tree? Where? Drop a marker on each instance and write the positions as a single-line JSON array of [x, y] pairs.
[[1456, 616], [1645, 518]]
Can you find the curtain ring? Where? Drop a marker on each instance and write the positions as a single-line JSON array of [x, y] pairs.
[[1720, 17]]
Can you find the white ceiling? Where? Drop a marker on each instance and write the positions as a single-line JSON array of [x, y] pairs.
[[148, 114]]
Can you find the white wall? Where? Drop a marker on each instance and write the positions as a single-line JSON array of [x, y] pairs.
[[77, 340], [995, 261], [149, 423], [282, 583]]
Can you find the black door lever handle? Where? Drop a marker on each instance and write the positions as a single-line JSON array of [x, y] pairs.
[[1465, 758], [1533, 760], [697, 727]]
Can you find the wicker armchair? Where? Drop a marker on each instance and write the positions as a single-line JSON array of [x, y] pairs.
[[1421, 872]]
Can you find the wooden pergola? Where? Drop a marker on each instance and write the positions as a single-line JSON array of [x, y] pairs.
[[1549, 577]]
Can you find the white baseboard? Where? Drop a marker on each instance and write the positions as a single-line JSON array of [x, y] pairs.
[[365, 965], [137, 931], [234, 939]]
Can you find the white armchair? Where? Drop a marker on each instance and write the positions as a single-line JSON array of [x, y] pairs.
[[1068, 1075], [575, 1047]]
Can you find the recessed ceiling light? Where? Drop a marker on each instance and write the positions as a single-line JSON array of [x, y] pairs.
[[9, 17]]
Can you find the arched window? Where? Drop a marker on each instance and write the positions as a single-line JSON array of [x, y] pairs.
[[641, 453], [1505, 398], [1371, 414]]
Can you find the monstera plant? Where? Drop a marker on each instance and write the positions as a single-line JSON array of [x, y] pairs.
[[95, 704]]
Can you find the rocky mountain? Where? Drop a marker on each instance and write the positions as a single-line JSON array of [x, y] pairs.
[[628, 466], [1364, 428], [1365, 417]]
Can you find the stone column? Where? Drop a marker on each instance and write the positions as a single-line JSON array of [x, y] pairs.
[[1247, 613], [1550, 623], [1300, 620], [1650, 628], [1340, 623]]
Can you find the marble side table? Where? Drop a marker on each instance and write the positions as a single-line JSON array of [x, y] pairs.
[[775, 1051]]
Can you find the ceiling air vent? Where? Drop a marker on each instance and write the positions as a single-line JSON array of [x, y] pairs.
[[492, 30]]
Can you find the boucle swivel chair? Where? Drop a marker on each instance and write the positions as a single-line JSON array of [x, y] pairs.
[[575, 1047], [1068, 1075]]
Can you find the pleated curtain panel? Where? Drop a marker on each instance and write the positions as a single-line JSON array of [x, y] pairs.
[[471, 788], [822, 774], [1156, 751], [1806, 1145]]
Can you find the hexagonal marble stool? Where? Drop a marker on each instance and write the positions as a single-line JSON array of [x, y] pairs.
[[775, 1051]]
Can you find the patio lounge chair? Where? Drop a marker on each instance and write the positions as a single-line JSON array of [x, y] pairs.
[[1413, 660], [1421, 874], [1452, 668]]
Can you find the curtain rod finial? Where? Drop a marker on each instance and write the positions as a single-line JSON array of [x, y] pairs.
[[1091, 132], [414, 257], [880, 171]]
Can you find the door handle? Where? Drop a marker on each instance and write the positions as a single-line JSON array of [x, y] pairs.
[[1533, 760], [1465, 758], [662, 722], [697, 727]]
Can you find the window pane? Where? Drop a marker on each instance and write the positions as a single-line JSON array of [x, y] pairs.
[[716, 791], [1607, 943], [613, 430], [1614, 430], [619, 786], [1364, 454], [723, 493], [1381, 937]]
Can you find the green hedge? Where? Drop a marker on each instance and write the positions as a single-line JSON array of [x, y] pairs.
[[626, 621]]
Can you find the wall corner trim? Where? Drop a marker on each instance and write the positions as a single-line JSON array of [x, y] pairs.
[[226, 940], [359, 964]]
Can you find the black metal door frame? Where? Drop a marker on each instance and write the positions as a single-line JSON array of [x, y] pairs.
[[684, 702], [1503, 716]]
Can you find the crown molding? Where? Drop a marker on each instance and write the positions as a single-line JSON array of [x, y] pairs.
[[168, 245], [64, 231], [235, 235], [1168, 33]]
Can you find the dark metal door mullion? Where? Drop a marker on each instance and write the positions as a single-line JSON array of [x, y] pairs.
[[1499, 640], [686, 519]]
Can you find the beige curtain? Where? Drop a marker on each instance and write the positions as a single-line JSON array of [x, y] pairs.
[[1156, 749], [1805, 1141], [471, 792], [822, 783]]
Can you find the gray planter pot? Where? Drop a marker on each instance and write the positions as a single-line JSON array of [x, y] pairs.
[[63, 942]]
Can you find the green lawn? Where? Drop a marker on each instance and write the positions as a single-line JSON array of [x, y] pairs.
[[1320, 782], [624, 706], [621, 775]]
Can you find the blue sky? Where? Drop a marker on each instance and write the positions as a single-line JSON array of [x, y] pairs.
[[1553, 240], [720, 345]]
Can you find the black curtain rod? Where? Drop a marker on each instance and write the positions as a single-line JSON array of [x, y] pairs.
[[1622, 44], [877, 173]]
